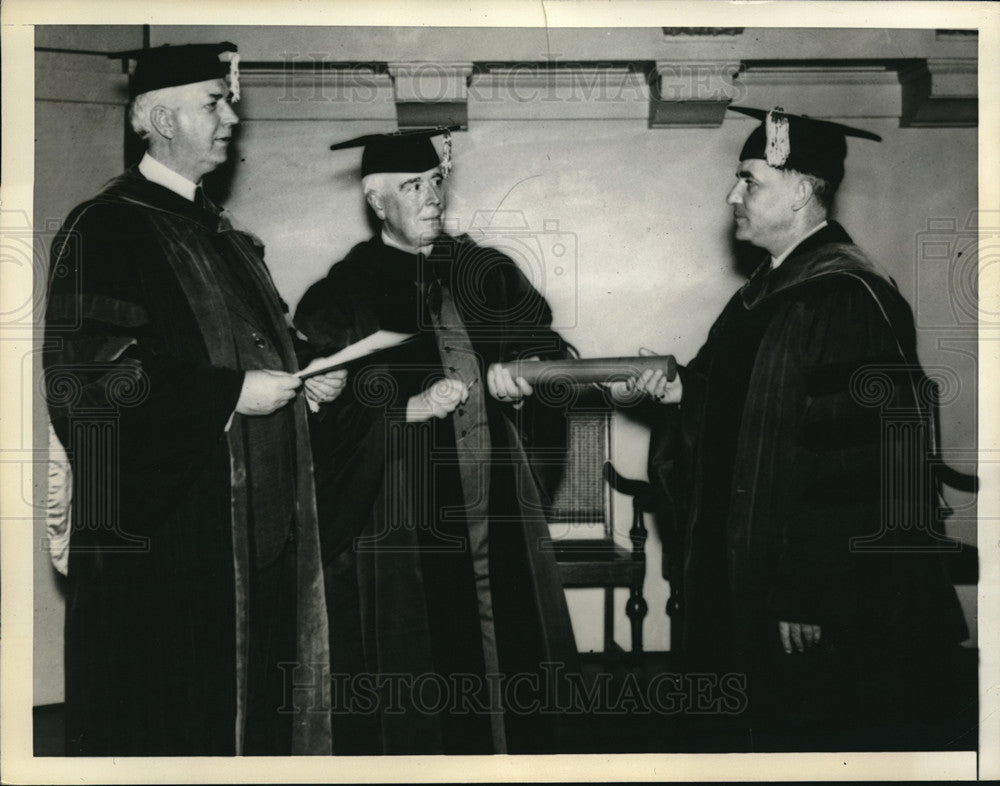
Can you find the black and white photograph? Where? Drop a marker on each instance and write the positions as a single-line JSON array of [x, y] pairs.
[[571, 386]]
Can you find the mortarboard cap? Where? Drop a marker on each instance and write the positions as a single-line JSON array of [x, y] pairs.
[[171, 66], [402, 151], [810, 146]]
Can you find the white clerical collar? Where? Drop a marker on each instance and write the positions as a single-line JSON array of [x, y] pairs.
[[163, 175], [775, 261], [389, 241]]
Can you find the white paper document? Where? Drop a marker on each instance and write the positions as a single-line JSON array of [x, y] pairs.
[[369, 345]]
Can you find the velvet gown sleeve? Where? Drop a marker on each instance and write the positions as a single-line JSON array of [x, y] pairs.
[[529, 326], [541, 421], [860, 480], [348, 435], [111, 351]]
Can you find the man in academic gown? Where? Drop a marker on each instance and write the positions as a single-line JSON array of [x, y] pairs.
[[799, 440], [194, 582], [443, 602]]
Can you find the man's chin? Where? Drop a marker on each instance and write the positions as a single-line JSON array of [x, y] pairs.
[[432, 233]]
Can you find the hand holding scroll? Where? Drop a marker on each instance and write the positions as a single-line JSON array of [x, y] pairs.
[[798, 636], [651, 382], [503, 386]]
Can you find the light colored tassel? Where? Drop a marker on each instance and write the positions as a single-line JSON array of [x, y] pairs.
[[777, 146], [446, 155], [234, 77]]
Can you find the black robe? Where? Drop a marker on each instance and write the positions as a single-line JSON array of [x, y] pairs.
[[393, 517], [155, 308], [801, 457]]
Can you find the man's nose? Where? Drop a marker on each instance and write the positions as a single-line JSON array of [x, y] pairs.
[[229, 116], [434, 194], [734, 196]]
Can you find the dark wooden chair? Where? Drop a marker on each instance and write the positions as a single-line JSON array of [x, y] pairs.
[[583, 499]]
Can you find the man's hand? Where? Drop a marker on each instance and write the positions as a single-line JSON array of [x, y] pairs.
[[266, 391], [324, 388], [798, 636], [503, 387], [438, 401], [653, 384]]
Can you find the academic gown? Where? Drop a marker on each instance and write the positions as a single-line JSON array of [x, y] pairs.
[[180, 506], [395, 517], [800, 458]]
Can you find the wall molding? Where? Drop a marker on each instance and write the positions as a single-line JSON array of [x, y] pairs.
[[692, 93], [702, 33], [936, 92], [431, 93], [582, 91], [940, 93], [837, 89], [79, 77], [361, 92]]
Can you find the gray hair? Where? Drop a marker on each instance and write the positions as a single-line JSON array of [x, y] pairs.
[[822, 189], [141, 108], [375, 182]]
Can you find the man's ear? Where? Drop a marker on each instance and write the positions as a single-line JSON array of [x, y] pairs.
[[161, 118], [375, 203], [803, 192]]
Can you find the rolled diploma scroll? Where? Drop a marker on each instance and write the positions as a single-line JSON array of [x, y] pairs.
[[587, 370]]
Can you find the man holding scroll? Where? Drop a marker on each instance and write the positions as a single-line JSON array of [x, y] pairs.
[[430, 514], [194, 568], [803, 439]]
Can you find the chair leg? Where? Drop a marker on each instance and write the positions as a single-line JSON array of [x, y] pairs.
[[609, 619], [675, 607], [636, 608]]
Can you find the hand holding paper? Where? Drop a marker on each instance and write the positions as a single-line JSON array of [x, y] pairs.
[[265, 391], [437, 401], [324, 388]]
